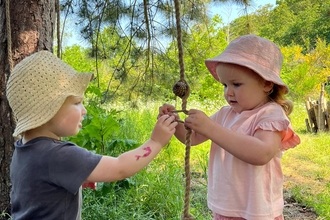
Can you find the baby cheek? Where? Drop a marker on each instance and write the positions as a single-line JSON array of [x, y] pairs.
[[70, 120]]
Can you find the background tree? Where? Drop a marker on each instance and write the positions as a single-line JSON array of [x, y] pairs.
[[32, 27], [6, 126], [143, 29], [290, 22]]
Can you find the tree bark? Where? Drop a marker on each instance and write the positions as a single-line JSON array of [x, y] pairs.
[[6, 126], [32, 29]]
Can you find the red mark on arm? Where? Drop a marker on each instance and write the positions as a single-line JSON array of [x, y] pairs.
[[148, 149]]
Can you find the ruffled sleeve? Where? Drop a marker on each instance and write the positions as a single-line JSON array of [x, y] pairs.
[[289, 138], [269, 117]]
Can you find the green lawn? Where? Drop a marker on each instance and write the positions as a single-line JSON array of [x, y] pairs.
[[307, 167]]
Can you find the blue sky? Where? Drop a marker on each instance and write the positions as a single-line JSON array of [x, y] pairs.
[[230, 11]]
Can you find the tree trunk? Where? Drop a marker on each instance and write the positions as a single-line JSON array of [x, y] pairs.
[[32, 28]]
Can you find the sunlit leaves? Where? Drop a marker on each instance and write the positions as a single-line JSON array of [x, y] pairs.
[[305, 73]]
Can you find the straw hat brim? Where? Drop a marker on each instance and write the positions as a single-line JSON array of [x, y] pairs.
[[38, 86]]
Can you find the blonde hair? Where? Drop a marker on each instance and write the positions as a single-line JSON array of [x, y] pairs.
[[278, 96]]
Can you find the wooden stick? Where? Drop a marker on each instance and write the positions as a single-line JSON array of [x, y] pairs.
[[176, 111]]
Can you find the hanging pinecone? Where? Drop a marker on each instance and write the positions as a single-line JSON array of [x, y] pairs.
[[181, 88]]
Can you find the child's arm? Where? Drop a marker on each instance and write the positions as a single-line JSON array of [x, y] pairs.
[[256, 150], [127, 164]]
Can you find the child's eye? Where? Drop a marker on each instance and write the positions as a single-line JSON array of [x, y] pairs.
[[224, 85], [237, 84], [78, 102]]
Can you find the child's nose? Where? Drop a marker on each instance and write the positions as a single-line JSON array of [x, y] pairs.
[[229, 91]]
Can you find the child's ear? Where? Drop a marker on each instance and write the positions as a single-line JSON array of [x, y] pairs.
[[268, 86]]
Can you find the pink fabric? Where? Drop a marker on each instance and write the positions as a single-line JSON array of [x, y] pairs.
[[254, 52], [221, 217], [239, 189]]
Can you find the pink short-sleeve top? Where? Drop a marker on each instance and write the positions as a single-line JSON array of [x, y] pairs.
[[239, 189]]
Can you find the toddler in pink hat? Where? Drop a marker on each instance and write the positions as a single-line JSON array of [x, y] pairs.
[[248, 136]]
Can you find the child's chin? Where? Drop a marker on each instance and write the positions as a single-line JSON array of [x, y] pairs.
[[237, 110]]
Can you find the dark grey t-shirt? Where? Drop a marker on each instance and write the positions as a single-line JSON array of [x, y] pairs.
[[46, 175]]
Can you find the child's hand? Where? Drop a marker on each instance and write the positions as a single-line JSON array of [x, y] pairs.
[[164, 129], [167, 109], [198, 121]]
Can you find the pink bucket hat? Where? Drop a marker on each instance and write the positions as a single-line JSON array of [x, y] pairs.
[[256, 53]]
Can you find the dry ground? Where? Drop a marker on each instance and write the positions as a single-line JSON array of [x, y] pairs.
[[295, 211]]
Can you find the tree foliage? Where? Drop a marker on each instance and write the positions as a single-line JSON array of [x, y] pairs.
[[290, 22], [135, 50], [132, 37]]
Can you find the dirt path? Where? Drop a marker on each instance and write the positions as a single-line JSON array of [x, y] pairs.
[[295, 211]]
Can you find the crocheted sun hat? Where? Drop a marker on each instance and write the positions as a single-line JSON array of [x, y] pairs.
[[256, 53], [38, 86]]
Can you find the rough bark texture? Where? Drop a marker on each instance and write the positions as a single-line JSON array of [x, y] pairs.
[[6, 126], [32, 28], [33, 25]]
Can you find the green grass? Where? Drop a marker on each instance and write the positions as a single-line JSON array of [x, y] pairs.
[[157, 192], [307, 167]]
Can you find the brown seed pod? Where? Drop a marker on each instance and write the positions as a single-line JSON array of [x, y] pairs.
[[181, 88]]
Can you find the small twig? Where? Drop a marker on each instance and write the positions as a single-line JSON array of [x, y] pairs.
[[184, 111], [176, 111]]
